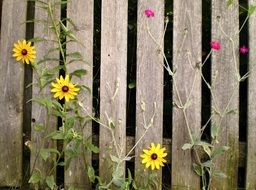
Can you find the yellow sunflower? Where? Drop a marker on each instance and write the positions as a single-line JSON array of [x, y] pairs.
[[63, 88], [24, 51], [154, 156]]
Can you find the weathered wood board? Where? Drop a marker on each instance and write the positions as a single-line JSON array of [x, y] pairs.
[[81, 14], [187, 24], [225, 90], [149, 81], [11, 93], [113, 83], [251, 131]]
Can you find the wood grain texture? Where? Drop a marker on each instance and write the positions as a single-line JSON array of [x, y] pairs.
[[149, 85], [11, 93], [251, 131], [225, 90], [81, 14], [186, 90], [39, 113], [113, 81]]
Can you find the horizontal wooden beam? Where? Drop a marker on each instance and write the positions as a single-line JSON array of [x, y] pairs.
[[130, 141]]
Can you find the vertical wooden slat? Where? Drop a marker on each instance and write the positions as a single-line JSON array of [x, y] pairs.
[[11, 95], [225, 90], [39, 113], [251, 131], [113, 81], [149, 87], [81, 14], [186, 90]]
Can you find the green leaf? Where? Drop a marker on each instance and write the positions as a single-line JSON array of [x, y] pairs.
[[219, 150], [79, 73], [229, 2], [207, 164], [91, 147], [132, 85], [118, 178], [35, 177], [91, 174], [37, 39], [38, 127], [198, 169], [85, 88], [214, 131], [115, 159], [46, 102], [207, 150], [251, 9], [75, 54], [62, 164], [63, 27], [57, 135], [219, 174], [71, 35], [45, 152], [69, 122], [50, 182], [111, 124], [187, 146]]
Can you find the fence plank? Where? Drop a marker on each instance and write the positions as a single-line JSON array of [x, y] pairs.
[[186, 88], [251, 131], [11, 95], [81, 14], [225, 89], [113, 81], [149, 87], [39, 113]]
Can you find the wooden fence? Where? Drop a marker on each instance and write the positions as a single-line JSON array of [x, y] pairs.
[[16, 113]]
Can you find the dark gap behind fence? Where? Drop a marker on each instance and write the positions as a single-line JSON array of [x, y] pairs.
[[96, 79], [27, 104], [206, 70], [243, 92], [131, 68], [243, 40], [60, 170], [167, 103], [131, 76], [168, 41]]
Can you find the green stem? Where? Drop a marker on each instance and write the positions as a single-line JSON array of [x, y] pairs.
[[56, 31]]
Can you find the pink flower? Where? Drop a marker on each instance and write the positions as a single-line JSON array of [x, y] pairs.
[[215, 45], [244, 49], [149, 13]]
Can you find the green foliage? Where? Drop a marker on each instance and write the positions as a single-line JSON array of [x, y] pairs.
[[74, 116]]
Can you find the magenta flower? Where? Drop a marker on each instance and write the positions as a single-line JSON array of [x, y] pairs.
[[215, 45], [243, 49], [149, 13]]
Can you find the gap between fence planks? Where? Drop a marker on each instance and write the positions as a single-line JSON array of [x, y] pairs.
[[11, 95], [186, 89], [251, 131], [39, 113], [149, 85], [113, 84], [225, 90], [81, 14]]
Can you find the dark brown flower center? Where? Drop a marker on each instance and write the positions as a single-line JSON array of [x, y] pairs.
[[154, 156], [24, 52], [65, 88]]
